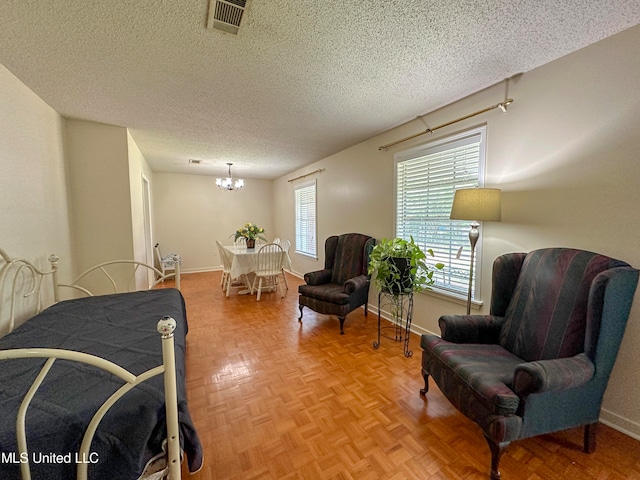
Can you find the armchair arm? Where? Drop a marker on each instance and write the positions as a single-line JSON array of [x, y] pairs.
[[318, 277], [355, 283], [470, 328], [552, 375]]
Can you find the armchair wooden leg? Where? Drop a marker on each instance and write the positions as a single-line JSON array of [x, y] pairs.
[[366, 308], [300, 317], [341, 325], [496, 452], [425, 375], [590, 432]]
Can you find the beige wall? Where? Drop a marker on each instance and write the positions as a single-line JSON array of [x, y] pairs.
[[34, 220], [190, 213], [566, 157], [99, 192], [33, 195]]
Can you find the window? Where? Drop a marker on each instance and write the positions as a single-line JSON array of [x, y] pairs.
[[426, 179], [306, 218]]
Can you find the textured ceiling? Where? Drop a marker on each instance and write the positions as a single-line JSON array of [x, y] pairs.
[[302, 80]]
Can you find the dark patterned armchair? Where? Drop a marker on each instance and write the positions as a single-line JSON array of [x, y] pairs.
[[343, 284], [540, 361]]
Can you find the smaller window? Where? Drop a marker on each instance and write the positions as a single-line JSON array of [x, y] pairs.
[[306, 218]]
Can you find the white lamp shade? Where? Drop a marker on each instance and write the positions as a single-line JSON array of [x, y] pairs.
[[479, 204]]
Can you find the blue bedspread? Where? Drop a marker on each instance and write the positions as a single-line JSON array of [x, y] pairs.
[[120, 328]]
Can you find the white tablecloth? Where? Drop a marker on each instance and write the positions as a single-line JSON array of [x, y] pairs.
[[244, 260]]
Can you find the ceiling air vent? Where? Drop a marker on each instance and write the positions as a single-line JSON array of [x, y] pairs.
[[226, 15]]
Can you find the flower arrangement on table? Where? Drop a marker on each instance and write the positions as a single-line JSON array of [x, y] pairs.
[[251, 232]]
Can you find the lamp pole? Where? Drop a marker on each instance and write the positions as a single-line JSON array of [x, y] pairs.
[[473, 239]]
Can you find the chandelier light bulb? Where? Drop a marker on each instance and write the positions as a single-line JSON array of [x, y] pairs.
[[228, 183]]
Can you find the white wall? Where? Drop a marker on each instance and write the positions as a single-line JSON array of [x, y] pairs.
[[99, 192], [34, 220], [34, 215], [566, 157], [190, 213]]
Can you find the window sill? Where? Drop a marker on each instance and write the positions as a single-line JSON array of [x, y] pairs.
[[309, 255], [453, 298]]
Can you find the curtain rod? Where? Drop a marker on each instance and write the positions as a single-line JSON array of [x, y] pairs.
[[306, 175], [502, 106]]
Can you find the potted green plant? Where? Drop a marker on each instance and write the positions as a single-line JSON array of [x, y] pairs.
[[250, 232], [398, 266]]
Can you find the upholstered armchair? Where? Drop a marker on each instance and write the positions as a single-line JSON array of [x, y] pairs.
[[343, 284], [540, 361]]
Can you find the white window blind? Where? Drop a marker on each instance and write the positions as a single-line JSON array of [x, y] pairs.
[[306, 218], [427, 178]]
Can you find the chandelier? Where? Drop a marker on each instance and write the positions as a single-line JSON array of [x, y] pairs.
[[228, 183]]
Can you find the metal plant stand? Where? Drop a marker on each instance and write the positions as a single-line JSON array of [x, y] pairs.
[[401, 308]]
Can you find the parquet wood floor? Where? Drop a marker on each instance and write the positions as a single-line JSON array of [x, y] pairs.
[[275, 399]]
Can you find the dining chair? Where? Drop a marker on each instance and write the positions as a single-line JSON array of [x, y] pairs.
[[268, 269], [226, 280], [166, 264], [240, 242], [276, 241], [222, 255], [286, 246]]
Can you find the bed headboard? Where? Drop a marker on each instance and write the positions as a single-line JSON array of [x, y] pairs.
[[25, 289], [116, 276]]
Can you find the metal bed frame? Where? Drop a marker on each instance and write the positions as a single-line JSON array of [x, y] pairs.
[[24, 280]]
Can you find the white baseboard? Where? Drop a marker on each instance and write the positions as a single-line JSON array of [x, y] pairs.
[[618, 422], [296, 274], [415, 329], [200, 270]]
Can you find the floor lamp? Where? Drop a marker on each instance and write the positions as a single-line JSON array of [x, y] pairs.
[[478, 205]]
